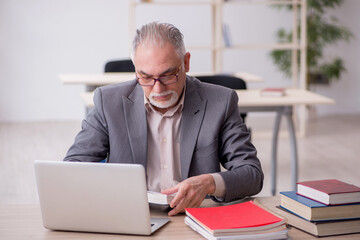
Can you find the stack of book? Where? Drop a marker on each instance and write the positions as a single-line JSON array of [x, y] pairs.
[[323, 207], [238, 221]]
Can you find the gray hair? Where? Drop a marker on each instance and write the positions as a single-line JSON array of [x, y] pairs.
[[158, 34]]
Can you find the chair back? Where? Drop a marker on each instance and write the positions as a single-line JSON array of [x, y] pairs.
[[125, 65], [225, 81]]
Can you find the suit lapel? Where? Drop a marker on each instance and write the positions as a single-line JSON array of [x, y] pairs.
[[135, 118], [192, 117]]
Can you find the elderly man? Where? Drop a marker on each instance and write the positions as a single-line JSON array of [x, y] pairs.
[[177, 127]]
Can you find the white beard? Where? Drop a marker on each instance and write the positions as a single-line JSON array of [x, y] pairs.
[[174, 98]]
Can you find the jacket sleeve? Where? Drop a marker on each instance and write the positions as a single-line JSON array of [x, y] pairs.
[[238, 155], [92, 142]]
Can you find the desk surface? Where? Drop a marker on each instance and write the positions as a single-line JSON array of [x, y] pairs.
[[110, 78], [24, 222], [252, 98]]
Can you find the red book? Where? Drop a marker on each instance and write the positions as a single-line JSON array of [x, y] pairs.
[[243, 217], [329, 191]]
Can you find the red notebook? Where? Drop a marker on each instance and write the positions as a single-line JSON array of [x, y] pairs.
[[234, 218], [273, 92], [329, 191]]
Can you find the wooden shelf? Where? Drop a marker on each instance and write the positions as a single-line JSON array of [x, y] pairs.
[[283, 46], [173, 3], [217, 46], [211, 2], [264, 2]]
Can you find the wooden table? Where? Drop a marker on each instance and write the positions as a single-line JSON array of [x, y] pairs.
[[23, 221], [252, 101], [92, 80]]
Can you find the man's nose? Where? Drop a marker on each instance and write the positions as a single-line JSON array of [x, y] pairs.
[[158, 87]]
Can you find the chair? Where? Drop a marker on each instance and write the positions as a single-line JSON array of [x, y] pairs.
[[226, 81], [124, 65]]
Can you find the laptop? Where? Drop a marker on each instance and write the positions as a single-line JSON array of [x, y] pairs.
[[95, 197]]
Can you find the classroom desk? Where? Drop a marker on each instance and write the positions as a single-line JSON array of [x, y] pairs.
[[23, 221], [252, 101], [93, 80]]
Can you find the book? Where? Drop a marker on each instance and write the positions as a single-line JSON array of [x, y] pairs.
[[315, 211], [159, 198], [329, 191], [226, 35], [282, 234], [235, 219], [318, 229], [324, 228], [273, 92]]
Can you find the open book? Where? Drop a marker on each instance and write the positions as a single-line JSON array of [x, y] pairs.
[[159, 198]]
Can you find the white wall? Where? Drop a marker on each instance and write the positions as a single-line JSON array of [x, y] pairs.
[[40, 39], [346, 91]]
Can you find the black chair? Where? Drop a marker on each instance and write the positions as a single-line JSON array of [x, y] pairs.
[[125, 65], [226, 81]]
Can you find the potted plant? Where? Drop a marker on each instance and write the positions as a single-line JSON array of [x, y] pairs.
[[322, 31]]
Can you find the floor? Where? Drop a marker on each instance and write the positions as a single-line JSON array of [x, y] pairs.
[[330, 149]]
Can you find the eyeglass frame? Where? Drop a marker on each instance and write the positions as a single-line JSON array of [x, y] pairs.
[[159, 79]]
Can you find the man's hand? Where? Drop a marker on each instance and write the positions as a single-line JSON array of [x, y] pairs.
[[190, 192]]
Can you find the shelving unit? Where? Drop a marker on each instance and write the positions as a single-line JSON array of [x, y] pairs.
[[217, 45]]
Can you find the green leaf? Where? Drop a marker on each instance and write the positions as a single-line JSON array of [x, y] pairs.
[[321, 32], [333, 70]]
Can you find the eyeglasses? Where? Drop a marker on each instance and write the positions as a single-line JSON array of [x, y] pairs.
[[165, 80]]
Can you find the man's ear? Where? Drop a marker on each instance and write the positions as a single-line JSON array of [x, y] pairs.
[[187, 61]]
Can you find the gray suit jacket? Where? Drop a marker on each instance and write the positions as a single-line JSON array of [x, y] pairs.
[[212, 132]]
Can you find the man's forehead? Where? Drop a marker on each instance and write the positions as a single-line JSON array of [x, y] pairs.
[[156, 61], [167, 50]]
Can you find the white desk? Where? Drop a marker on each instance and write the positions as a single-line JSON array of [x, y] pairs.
[[110, 78], [91, 81], [252, 101]]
